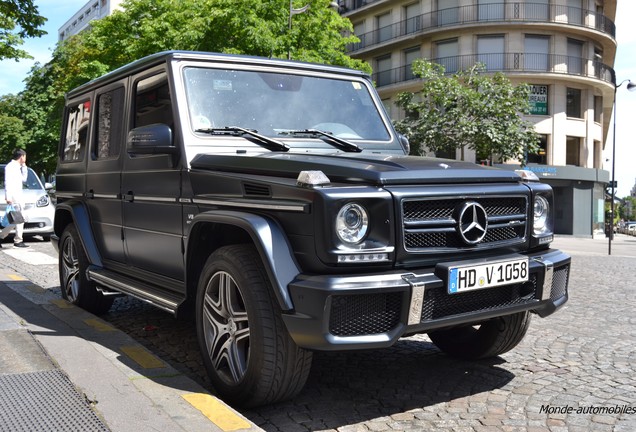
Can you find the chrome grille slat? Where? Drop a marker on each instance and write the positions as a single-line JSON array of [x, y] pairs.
[[429, 223]]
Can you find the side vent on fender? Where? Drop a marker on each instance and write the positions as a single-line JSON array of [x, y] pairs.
[[252, 189]]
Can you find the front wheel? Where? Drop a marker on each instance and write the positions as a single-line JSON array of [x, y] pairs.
[[247, 351], [76, 287], [488, 339]]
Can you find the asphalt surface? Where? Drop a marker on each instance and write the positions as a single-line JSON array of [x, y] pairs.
[[574, 371]]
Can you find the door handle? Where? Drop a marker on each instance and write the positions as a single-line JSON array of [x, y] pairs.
[[128, 196]]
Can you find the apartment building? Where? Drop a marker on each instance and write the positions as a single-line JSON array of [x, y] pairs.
[[565, 49], [93, 9]]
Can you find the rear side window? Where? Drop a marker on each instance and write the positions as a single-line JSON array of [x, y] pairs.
[[76, 136], [110, 116]]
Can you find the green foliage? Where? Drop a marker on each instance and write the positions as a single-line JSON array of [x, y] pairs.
[[627, 209], [19, 19], [11, 129], [468, 109]]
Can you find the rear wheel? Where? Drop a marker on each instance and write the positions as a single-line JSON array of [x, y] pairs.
[[76, 288], [488, 339], [247, 351]]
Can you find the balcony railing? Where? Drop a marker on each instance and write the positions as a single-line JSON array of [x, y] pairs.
[[508, 63], [488, 13]]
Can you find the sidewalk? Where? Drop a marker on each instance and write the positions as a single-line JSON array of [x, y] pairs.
[[63, 369], [622, 245]]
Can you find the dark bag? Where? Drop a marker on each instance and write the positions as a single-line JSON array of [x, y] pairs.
[[15, 217], [12, 216]]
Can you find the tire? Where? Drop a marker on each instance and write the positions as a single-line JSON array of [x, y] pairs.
[[76, 288], [247, 351], [488, 339]]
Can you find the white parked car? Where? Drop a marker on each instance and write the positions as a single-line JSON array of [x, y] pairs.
[[38, 209]]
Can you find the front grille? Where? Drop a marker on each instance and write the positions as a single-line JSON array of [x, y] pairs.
[[559, 282], [439, 304], [357, 315], [430, 225]]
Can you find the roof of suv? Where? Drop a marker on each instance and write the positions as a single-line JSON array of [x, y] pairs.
[[166, 56]]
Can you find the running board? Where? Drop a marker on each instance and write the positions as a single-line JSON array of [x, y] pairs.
[[159, 298]]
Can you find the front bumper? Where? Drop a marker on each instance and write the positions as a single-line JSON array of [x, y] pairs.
[[375, 310]]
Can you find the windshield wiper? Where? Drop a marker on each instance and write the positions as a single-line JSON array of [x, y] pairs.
[[327, 137], [262, 140]]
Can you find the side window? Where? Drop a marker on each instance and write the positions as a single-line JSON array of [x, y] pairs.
[[109, 115], [76, 136], [152, 101]]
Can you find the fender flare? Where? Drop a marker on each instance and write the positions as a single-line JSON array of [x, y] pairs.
[[81, 220], [271, 244]]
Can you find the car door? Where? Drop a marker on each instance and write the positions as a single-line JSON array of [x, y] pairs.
[[151, 188], [103, 173]]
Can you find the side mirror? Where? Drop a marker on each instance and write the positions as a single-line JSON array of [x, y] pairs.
[[152, 139], [405, 143]]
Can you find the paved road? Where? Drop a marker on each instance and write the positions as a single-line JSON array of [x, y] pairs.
[[574, 371]]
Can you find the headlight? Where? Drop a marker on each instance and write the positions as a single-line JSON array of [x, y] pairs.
[[352, 223], [541, 215], [43, 201]]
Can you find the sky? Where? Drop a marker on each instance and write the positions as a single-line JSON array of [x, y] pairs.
[[59, 11]]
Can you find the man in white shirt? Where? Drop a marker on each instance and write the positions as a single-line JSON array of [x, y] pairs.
[[15, 173]]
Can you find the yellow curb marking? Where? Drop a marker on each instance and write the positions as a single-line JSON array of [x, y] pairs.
[[217, 412], [62, 304], [99, 325], [16, 277], [142, 357]]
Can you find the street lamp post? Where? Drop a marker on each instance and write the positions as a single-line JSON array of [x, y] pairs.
[[631, 87]]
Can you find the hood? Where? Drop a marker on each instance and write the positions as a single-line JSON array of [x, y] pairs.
[[380, 170]]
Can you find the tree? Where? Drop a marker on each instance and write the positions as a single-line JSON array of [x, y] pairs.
[[24, 15], [253, 27], [12, 132], [468, 109]]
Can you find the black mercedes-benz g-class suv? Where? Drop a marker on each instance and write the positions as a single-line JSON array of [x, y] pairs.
[[274, 201]]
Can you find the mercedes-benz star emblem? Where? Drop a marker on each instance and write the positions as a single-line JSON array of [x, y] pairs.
[[472, 222]]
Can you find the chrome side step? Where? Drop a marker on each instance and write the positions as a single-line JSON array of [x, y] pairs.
[[159, 298]]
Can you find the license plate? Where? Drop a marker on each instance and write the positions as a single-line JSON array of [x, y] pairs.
[[468, 278]]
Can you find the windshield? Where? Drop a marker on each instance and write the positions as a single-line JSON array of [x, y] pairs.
[[273, 104]]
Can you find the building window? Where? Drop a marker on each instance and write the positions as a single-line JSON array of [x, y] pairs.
[[573, 151], [541, 157], [575, 12], [447, 12], [573, 103], [490, 50], [598, 155], [538, 10], [489, 10], [536, 53], [411, 15], [384, 27], [410, 55], [575, 57], [383, 67], [447, 55], [598, 109]]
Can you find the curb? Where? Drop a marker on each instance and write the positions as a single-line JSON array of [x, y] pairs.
[[127, 386]]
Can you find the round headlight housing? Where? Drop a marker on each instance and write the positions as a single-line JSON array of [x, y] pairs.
[[541, 215], [352, 223]]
